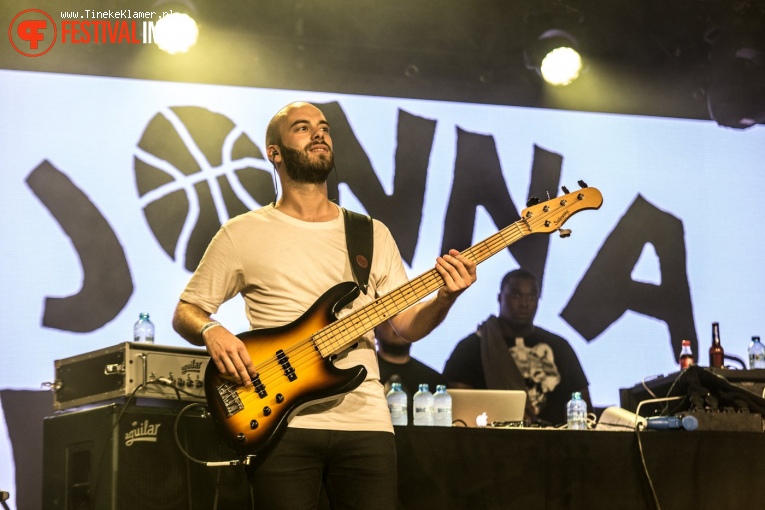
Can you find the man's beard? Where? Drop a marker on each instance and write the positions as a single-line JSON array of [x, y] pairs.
[[300, 167]]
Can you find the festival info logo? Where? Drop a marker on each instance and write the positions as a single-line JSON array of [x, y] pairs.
[[32, 32], [194, 170]]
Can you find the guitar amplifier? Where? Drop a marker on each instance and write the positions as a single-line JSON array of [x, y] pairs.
[[128, 369], [113, 457]]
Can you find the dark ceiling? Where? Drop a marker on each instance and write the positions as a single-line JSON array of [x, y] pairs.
[[648, 57]]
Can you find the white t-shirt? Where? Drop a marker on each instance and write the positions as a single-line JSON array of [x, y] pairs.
[[281, 266]]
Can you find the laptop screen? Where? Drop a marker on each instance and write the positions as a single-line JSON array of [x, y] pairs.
[[477, 408]]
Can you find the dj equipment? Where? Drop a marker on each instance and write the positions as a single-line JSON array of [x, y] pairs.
[[722, 421], [116, 458], [148, 370], [752, 381], [714, 398]]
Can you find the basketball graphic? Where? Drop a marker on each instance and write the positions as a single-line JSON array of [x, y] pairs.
[[194, 170]]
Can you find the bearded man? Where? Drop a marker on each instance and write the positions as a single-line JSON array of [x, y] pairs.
[[281, 259]]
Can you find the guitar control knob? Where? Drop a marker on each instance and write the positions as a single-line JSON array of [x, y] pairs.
[[279, 398], [240, 437], [254, 424], [266, 411]]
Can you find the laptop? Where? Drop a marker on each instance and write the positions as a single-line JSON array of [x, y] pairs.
[[479, 408]]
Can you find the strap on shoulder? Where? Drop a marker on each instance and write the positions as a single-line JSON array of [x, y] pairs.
[[359, 237]]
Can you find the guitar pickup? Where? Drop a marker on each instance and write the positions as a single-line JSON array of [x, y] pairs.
[[259, 387], [261, 391], [284, 361]]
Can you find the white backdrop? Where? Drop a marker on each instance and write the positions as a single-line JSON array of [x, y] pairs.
[[88, 128]]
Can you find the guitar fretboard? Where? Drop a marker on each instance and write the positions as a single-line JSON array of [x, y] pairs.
[[344, 332]]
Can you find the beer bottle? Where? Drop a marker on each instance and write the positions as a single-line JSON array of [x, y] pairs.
[[716, 353]]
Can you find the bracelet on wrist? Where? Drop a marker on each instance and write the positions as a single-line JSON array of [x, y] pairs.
[[207, 326]]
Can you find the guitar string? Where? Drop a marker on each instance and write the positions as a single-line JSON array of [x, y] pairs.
[[431, 281], [271, 370], [411, 293], [484, 249], [272, 367]]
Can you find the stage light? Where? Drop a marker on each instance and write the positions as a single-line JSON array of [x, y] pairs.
[[561, 66], [555, 56], [176, 32]]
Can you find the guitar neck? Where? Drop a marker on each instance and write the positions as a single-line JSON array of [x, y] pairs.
[[539, 218], [344, 332]]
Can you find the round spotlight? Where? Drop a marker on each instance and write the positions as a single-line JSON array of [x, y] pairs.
[[561, 66], [176, 33], [555, 56]]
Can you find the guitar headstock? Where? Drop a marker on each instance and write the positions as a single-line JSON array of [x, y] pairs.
[[549, 216]]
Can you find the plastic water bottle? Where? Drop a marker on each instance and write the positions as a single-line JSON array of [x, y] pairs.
[[423, 406], [442, 405], [756, 353], [397, 404], [576, 412], [143, 331]]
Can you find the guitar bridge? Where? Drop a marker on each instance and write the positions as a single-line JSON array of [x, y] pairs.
[[231, 401]]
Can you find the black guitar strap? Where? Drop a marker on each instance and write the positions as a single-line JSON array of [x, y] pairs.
[[359, 237]]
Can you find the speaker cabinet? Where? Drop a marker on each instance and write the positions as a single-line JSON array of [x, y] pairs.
[[115, 458]]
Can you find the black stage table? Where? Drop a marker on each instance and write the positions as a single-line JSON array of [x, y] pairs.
[[460, 468]]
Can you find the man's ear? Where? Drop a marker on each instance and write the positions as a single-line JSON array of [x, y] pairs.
[[272, 152]]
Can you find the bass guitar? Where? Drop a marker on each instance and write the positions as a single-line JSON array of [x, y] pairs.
[[295, 362]]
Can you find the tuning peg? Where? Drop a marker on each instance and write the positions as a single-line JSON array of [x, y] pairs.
[[565, 189], [582, 184], [532, 201], [564, 232]]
